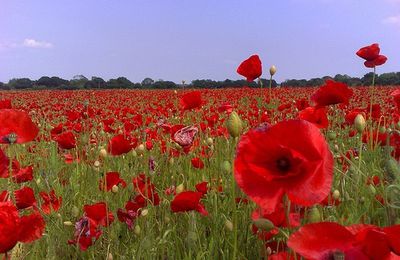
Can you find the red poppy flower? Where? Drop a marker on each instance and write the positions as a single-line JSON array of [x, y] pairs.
[[14, 228], [191, 100], [16, 127], [131, 212], [23, 175], [187, 201], [197, 163], [112, 178], [371, 55], [24, 198], [146, 189], [66, 140], [185, 136], [314, 115], [396, 97], [291, 157], [98, 215], [5, 104], [119, 145], [324, 241], [50, 202], [332, 93], [4, 164], [202, 187], [250, 68]]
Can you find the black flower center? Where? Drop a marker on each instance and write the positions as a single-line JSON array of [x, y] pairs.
[[283, 164]]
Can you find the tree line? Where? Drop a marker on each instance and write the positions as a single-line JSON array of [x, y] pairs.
[[81, 82]]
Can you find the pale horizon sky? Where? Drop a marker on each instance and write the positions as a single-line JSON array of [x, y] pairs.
[[186, 40]]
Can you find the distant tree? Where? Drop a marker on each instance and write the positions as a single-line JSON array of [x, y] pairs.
[[342, 78], [21, 83], [147, 82], [367, 79], [53, 82], [120, 82], [164, 85], [78, 82], [386, 79], [314, 82], [95, 83]]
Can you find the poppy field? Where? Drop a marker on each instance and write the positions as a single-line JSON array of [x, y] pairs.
[[246, 173]]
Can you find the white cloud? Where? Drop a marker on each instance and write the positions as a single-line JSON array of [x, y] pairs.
[[392, 20], [32, 43]]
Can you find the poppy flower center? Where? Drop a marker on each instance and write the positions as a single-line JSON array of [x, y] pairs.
[[335, 255], [283, 164], [11, 138]]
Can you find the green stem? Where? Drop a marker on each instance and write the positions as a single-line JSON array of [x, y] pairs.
[[270, 89]]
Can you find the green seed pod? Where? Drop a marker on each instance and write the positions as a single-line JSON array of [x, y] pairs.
[[263, 224], [392, 168], [75, 211], [228, 225], [359, 123], [314, 215], [372, 189], [331, 136], [234, 125], [226, 166], [137, 230]]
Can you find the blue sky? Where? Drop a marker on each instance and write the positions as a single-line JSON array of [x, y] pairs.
[[185, 40]]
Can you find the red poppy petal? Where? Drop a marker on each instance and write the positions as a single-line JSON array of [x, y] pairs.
[[31, 227], [317, 240]]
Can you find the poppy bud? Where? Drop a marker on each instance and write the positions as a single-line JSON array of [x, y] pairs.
[[210, 141], [382, 130], [114, 189], [134, 153], [38, 181], [179, 188], [234, 124], [372, 189], [137, 230], [171, 161], [140, 149], [144, 212], [110, 256], [68, 223], [103, 153], [272, 70], [392, 168], [167, 220], [226, 167], [229, 225], [314, 215], [336, 148], [359, 123], [331, 135], [335, 194], [75, 211], [96, 164], [263, 224]]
